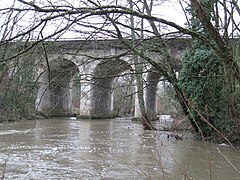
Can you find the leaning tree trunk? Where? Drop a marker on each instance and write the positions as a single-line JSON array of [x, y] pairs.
[[224, 52], [146, 122]]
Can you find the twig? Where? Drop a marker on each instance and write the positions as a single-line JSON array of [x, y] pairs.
[[4, 168], [225, 157]]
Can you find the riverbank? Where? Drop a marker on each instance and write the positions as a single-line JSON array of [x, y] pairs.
[[183, 125], [7, 115]]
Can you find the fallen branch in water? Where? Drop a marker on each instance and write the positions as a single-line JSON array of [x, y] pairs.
[[227, 159]]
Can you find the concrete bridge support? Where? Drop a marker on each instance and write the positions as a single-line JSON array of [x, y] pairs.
[[152, 80], [102, 99]]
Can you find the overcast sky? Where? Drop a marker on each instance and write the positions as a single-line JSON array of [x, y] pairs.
[[169, 10]]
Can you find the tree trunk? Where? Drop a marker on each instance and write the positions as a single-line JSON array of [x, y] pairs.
[[222, 48], [146, 122]]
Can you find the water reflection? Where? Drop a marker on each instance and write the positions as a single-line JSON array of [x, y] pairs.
[[108, 149]]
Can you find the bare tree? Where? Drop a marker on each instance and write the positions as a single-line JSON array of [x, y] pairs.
[[95, 19]]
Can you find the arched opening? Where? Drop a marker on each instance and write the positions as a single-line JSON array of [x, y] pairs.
[[124, 88], [55, 88], [103, 78]]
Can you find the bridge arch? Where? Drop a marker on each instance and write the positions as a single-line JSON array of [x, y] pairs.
[[104, 75], [55, 87]]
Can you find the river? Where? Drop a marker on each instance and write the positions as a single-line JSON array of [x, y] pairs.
[[108, 149]]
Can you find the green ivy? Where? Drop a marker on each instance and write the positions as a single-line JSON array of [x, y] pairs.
[[202, 80]]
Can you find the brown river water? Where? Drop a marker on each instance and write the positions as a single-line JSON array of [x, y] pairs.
[[108, 149]]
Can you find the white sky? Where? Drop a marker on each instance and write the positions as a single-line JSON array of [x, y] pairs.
[[169, 10]]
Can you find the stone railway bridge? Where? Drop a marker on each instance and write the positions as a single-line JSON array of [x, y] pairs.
[[94, 65]]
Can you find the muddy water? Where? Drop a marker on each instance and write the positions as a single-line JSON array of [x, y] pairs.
[[108, 149]]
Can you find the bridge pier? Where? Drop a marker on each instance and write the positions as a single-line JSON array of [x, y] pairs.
[[102, 100], [137, 110], [152, 80]]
